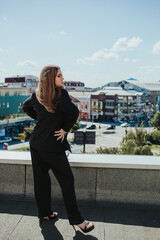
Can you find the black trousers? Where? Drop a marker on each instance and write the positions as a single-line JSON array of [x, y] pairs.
[[58, 163]]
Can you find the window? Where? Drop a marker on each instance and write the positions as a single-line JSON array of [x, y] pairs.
[[7, 104], [15, 93], [3, 104], [7, 93]]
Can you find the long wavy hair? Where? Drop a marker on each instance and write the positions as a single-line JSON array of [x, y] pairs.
[[47, 92]]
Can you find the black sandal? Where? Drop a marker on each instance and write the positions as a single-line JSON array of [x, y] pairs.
[[49, 217], [85, 229]]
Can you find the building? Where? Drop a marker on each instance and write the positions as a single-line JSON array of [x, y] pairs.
[[149, 88], [13, 92], [27, 81], [97, 103], [73, 85], [10, 91], [76, 102], [84, 103], [122, 104]]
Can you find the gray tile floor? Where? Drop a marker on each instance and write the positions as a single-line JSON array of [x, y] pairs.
[[18, 221]]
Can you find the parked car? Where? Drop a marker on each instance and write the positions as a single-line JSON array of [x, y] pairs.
[[110, 127], [5, 139], [82, 125], [125, 124], [93, 126]]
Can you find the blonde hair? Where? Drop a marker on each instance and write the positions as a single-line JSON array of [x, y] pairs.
[[46, 91]]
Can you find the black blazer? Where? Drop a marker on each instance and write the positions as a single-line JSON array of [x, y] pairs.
[[64, 117]]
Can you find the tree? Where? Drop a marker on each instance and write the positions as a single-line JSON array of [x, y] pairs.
[[75, 127], [154, 137], [155, 121], [145, 150], [140, 136], [105, 150], [128, 147], [134, 143]]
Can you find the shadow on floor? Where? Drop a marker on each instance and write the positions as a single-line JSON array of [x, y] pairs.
[[48, 230], [112, 213]]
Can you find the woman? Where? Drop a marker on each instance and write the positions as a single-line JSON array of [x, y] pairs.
[[55, 113]]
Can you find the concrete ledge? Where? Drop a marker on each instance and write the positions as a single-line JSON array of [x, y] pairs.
[[98, 178], [90, 160]]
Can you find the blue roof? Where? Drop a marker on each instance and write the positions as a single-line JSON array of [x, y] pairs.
[[132, 79]]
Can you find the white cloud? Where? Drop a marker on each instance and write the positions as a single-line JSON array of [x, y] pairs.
[[124, 44], [27, 63], [98, 56], [150, 68], [63, 33], [156, 47], [126, 59], [101, 55], [135, 60], [1, 50], [81, 61], [131, 60]]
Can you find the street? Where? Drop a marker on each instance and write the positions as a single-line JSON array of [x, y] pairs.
[[104, 138]]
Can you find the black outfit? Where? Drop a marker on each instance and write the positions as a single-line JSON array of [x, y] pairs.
[[48, 153]]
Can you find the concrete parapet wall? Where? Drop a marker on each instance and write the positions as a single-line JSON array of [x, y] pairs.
[[95, 180]]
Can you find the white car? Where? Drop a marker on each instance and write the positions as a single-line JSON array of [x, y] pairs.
[[125, 124], [5, 139]]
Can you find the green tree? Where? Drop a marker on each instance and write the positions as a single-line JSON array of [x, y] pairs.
[[134, 143], [75, 127], [155, 121], [145, 150], [140, 136], [128, 147], [105, 150], [154, 137]]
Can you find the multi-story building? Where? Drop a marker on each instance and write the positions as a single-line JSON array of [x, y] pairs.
[[122, 104], [7, 91], [97, 103], [150, 88], [76, 102], [28, 81], [73, 85], [11, 100], [84, 103], [13, 92]]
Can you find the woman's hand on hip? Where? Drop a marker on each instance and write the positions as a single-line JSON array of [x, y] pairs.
[[61, 134]]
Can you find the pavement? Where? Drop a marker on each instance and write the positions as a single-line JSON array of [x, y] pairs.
[[18, 221]]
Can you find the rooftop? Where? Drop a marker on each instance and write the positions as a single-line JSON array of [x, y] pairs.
[[119, 193], [18, 220], [119, 91]]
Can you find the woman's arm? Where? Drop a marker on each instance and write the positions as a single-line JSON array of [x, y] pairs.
[[28, 108]]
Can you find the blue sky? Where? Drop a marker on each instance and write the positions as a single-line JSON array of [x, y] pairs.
[[92, 41]]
